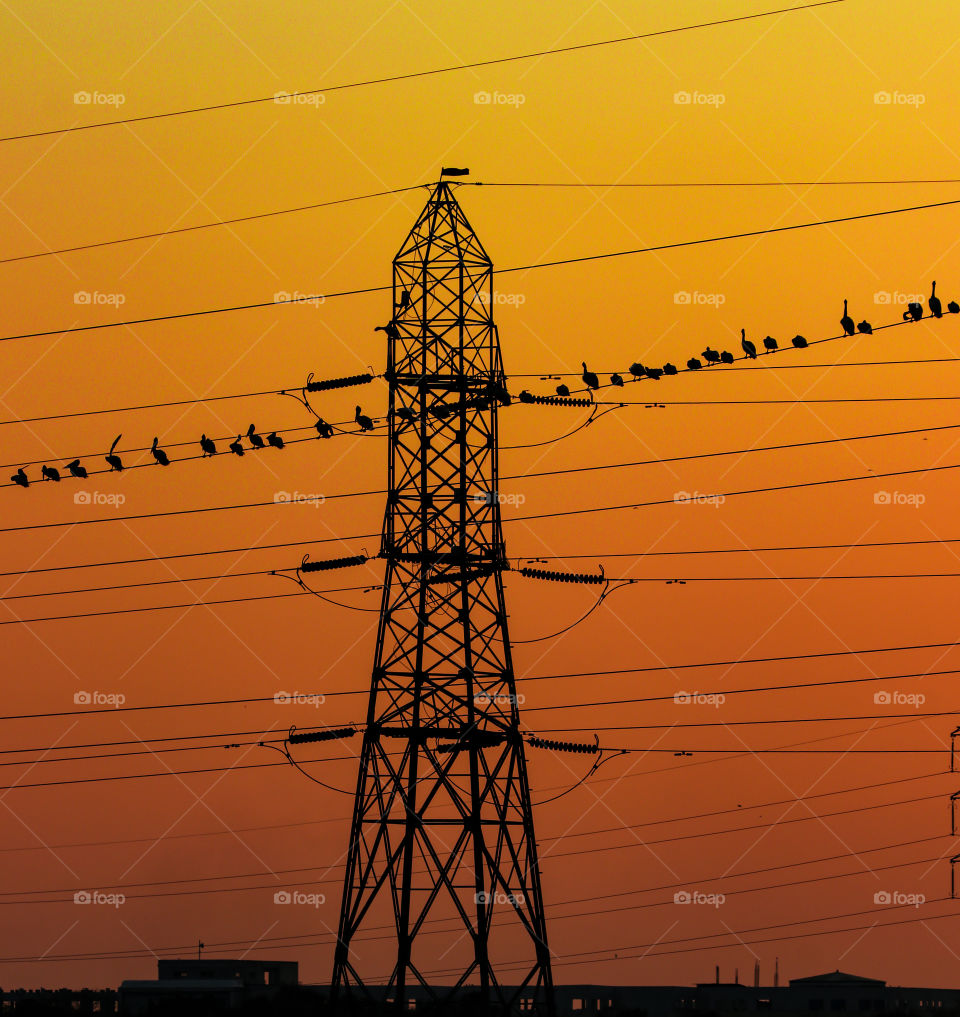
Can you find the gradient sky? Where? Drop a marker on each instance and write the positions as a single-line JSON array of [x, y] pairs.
[[795, 100]]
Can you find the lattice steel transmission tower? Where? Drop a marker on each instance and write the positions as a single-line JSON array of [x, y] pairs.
[[442, 825]]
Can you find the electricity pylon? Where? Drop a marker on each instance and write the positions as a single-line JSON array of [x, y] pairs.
[[442, 824]]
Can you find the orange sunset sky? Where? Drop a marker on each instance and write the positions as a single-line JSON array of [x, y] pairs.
[[785, 107]]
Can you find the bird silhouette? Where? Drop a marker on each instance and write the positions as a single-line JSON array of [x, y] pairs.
[[236, 447], [51, 473], [589, 378], [770, 344], [404, 300], [865, 327], [161, 457], [20, 478], [255, 440], [693, 364], [846, 322], [324, 430], [366, 424], [934, 302], [654, 373], [953, 307], [114, 461], [669, 368], [76, 470], [274, 440], [563, 390], [914, 311], [748, 347], [405, 413], [208, 445], [711, 356], [726, 357], [393, 333], [799, 342], [638, 370], [615, 379]]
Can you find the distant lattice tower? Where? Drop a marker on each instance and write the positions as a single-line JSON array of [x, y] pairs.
[[442, 847]]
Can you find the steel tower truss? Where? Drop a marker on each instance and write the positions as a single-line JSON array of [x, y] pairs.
[[442, 826]]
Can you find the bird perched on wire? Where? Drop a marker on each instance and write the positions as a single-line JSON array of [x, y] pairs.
[[616, 380], [324, 430], [748, 347], [693, 364], [161, 457], [726, 357], [770, 344], [113, 460], [654, 373], [274, 440], [255, 440], [76, 470], [563, 390], [669, 368], [20, 478], [638, 370], [208, 445], [934, 302], [50, 473], [846, 322], [366, 424], [865, 327], [953, 307], [236, 447], [589, 378], [711, 356], [799, 342], [914, 311]]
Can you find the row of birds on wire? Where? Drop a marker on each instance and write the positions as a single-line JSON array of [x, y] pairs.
[[709, 356], [591, 381], [208, 447]]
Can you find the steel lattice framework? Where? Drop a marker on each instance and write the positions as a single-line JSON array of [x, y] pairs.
[[442, 824]]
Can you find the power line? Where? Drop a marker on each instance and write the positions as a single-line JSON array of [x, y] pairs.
[[505, 271], [715, 183], [207, 225], [411, 75]]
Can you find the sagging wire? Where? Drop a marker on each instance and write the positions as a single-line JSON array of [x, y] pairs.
[[311, 736], [603, 756], [296, 577]]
